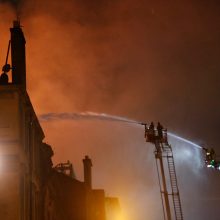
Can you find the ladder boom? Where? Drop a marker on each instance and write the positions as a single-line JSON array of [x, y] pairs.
[[164, 153]]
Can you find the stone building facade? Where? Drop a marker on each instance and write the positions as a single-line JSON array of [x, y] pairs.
[[30, 187]]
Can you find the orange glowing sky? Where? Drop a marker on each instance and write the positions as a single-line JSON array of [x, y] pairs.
[[148, 60]]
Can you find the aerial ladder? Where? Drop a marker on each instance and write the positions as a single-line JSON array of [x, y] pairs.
[[166, 171]]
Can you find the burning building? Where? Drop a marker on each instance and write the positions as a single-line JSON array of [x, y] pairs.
[[30, 187]]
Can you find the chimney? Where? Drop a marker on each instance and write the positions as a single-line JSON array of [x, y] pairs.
[[18, 55], [87, 172]]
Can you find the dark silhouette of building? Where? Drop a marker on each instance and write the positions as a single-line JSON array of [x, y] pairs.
[[30, 187], [73, 199]]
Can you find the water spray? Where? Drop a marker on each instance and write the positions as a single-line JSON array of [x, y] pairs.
[[184, 140], [102, 117], [84, 116]]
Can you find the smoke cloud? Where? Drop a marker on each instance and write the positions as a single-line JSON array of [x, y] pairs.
[[121, 60], [15, 6], [12, 2], [144, 60]]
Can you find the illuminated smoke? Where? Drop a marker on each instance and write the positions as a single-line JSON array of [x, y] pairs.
[[113, 149], [12, 2], [12, 9], [100, 116]]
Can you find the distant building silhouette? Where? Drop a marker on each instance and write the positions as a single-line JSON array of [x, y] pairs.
[[68, 198], [30, 188]]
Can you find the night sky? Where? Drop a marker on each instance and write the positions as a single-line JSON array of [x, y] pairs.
[[144, 60]]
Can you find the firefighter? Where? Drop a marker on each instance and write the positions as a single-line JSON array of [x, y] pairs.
[[210, 158], [151, 133], [210, 154], [160, 131], [151, 127]]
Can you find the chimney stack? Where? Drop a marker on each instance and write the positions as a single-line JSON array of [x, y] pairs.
[[87, 172], [18, 55]]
